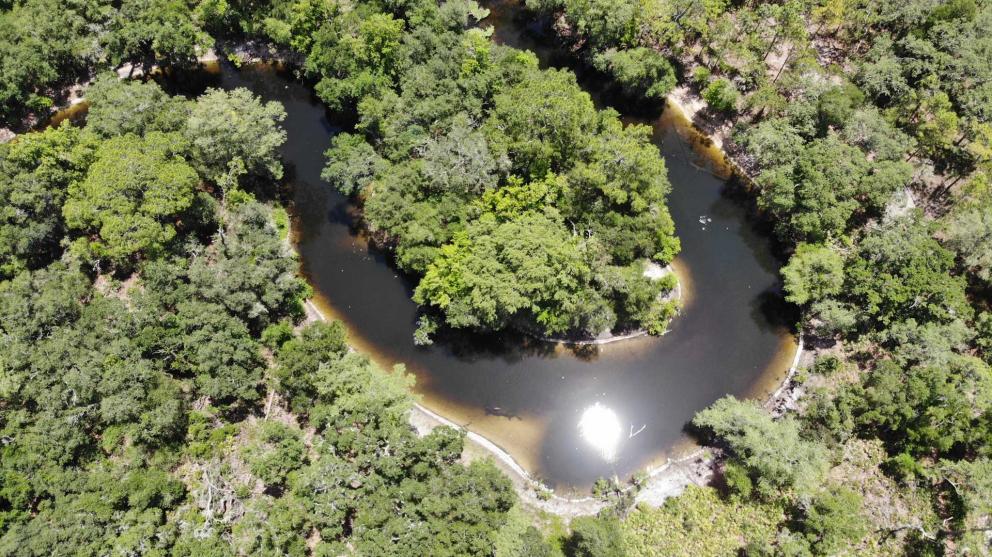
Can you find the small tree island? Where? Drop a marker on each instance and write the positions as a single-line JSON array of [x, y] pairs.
[[507, 194]]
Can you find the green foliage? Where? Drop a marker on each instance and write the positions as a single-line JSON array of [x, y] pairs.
[[120, 107], [968, 232], [249, 269], [837, 104], [466, 147], [131, 196], [814, 272], [233, 132], [971, 486], [921, 410], [39, 52], [815, 195], [355, 62], [737, 480], [541, 123], [721, 95], [518, 538], [595, 537], [35, 173], [901, 272], [219, 351], [698, 522], [352, 163], [641, 72], [274, 451], [774, 452], [300, 358], [832, 521], [149, 32], [608, 23], [496, 269]]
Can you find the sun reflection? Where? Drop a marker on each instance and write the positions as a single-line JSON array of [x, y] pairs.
[[600, 427]]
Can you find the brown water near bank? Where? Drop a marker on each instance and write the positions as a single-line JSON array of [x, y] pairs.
[[526, 395]]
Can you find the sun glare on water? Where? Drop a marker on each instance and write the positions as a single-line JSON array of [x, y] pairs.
[[600, 427]]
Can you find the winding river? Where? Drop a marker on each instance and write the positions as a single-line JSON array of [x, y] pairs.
[[633, 398]]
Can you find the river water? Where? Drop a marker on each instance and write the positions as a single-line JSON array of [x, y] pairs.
[[529, 396]]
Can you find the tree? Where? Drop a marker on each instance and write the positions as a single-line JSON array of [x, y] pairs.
[[35, 173], [356, 60], [300, 358], [603, 22], [518, 538], [921, 409], [460, 162], [832, 521], [815, 195], [968, 231], [837, 104], [617, 193], [149, 32], [274, 451], [814, 272], [217, 350], [38, 54], [721, 95], [249, 269], [868, 129], [352, 163], [119, 107], [971, 486], [133, 193], [595, 537], [901, 272], [774, 452], [542, 123], [229, 130], [496, 270], [641, 72], [773, 142]]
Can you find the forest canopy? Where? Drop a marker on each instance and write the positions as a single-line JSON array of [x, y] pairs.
[[162, 394]]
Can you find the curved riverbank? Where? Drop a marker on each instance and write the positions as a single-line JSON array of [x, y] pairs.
[[607, 337], [525, 395], [662, 481]]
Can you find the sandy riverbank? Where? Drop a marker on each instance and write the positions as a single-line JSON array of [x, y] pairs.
[[663, 481]]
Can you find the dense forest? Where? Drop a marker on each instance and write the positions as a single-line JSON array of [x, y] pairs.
[[863, 130], [163, 393]]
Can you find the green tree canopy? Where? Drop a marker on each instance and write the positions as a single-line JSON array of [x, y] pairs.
[[814, 272], [233, 130], [132, 195], [774, 452]]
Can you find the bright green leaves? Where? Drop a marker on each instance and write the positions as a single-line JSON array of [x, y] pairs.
[[618, 193], [356, 61], [774, 452], [495, 269], [118, 107], [814, 272], [514, 217], [35, 172], [543, 123], [148, 32], [132, 197], [902, 272]]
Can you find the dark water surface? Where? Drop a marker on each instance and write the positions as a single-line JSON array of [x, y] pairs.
[[526, 395]]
